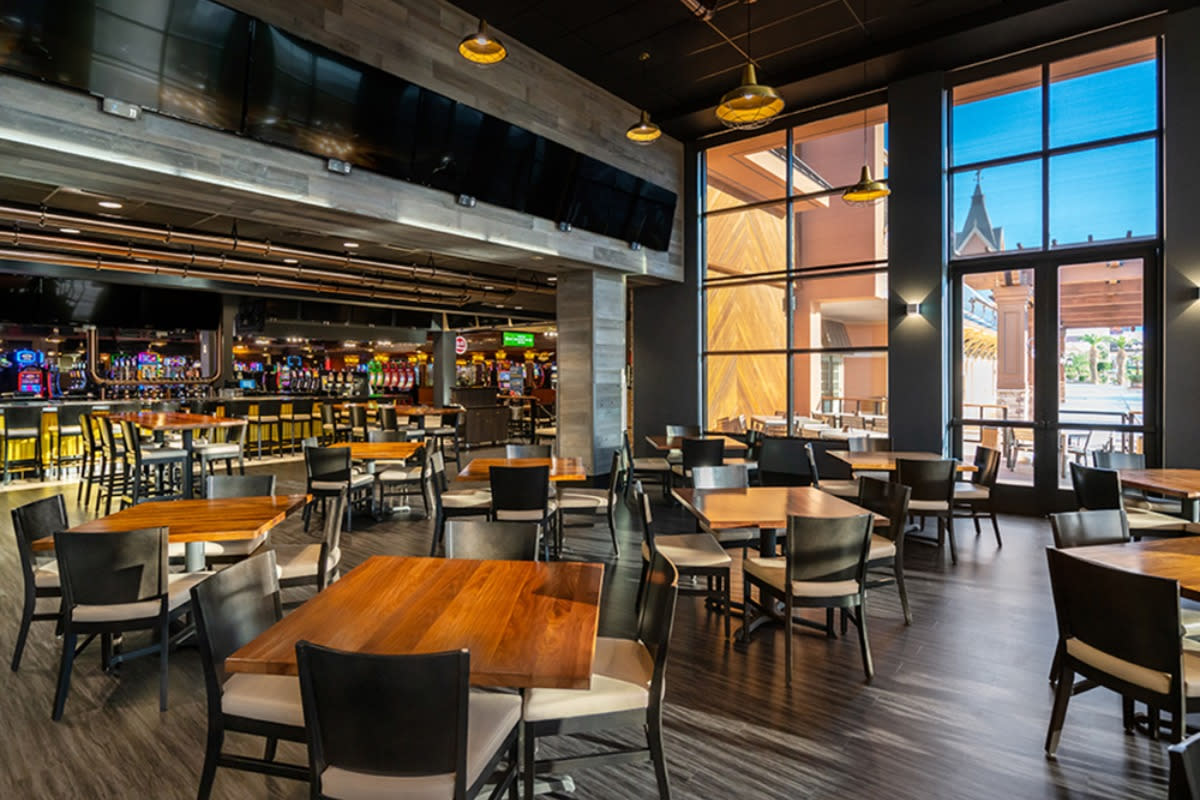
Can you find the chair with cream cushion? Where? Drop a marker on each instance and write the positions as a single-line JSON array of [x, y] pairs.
[[830, 474], [1185, 769], [41, 584], [328, 471], [225, 444], [522, 494], [113, 583], [408, 726], [785, 461], [231, 608], [1135, 498], [402, 478], [227, 486], [675, 454], [314, 564], [1101, 488], [726, 476], [889, 500], [1121, 630], [647, 469], [596, 501], [628, 684], [488, 540], [932, 485], [975, 496], [824, 566], [697, 555], [462, 503], [696, 452]]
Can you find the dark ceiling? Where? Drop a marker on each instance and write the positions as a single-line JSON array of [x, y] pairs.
[[691, 64]]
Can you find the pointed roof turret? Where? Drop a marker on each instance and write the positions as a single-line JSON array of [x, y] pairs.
[[978, 225]]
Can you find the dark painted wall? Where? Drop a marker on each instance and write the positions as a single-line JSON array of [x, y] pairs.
[[917, 354]]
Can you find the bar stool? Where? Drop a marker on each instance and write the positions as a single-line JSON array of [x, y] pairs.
[[331, 427], [154, 473], [266, 416], [88, 470], [388, 419], [112, 465], [300, 416], [22, 424], [358, 423], [69, 430]]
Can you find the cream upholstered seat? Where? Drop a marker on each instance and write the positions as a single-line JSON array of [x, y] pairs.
[[357, 481], [178, 586], [584, 500], [772, 572], [468, 498], [881, 547], [651, 464], [1138, 675], [302, 560], [966, 490], [491, 717], [236, 547], [271, 698], [1144, 519], [840, 488], [45, 575], [621, 674], [689, 550], [928, 506]]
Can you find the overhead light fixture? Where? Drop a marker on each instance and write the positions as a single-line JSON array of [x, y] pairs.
[[350, 245], [552, 279], [749, 105], [643, 132], [291, 261], [868, 191], [113, 204], [68, 230], [482, 47]]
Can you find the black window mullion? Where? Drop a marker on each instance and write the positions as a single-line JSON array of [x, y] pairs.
[[1045, 157]]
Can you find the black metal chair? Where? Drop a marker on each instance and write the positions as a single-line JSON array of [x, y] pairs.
[[299, 417], [1185, 769], [887, 549], [527, 451], [522, 494], [824, 566], [225, 444], [33, 521], [404, 726], [593, 501], [332, 428], [1134, 498], [328, 471], [113, 583], [90, 472], [627, 689], [112, 465], [67, 427], [650, 469], [1101, 488], [675, 454], [265, 419], [314, 564], [697, 452], [230, 609], [152, 473], [446, 505], [932, 484], [831, 474], [727, 476], [1120, 630], [358, 422], [1083, 528], [974, 497], [400, 478], [388, 420], [22, 424], [492, 541], [784, 462]]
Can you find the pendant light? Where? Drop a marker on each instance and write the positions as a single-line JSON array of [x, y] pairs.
[[751, 104], [868, 191], [482, 47], [643, 132]]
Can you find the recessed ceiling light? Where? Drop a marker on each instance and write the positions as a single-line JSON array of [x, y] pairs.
[[291, 261], [109, 204], [519, 308], [488, 287], [349, 245], [69, 230], [552, 279]]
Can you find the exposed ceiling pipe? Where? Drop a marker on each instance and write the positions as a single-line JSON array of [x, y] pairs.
[[230, 244], [699, 10]]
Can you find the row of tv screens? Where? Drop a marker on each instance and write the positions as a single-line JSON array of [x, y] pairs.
[[30, 300], [205, 63]]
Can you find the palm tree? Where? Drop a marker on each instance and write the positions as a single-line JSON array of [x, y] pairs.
[[1092, 340], [1121, 342]]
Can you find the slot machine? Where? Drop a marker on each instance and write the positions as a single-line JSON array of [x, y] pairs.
[[28, 371]]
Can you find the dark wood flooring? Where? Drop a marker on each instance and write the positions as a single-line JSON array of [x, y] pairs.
[[958, 707]]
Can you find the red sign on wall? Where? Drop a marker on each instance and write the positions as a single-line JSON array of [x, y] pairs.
[[460, 345]]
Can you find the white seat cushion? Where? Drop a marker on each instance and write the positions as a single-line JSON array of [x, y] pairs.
[[651, 464], [964, 490], [879, 475], [621, 674], [264, 420], [270, 698], [840, 488], [881, 548], [1141, 519], [689, 550], [178, 587], [300, 560], [481, 499], [356, 482], [491, 716], [219, 450], [1190, 619], [525, 515], [584, 500], [234, 547], [735, 535], [1138, 675], [45, 575], [399, 475], [771, 572], [162, 454], [22, 433], [930, 506]]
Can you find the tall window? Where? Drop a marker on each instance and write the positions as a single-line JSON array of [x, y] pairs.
[[795, 285]]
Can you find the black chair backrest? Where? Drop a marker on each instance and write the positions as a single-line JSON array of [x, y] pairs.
[[386, 436], [888, 499], [725, 476], [449, 419], [35, 520], [353, 702], [1127, 615], [1185, 769], [328, 415], [874, 444], [491, 541], [108, 440], [1096, 488], [823, 465], [358, 417], [784, 462], [232, 607], [109, 568], [518, 489], [987, 466], [269, 408], [1102, 459], [656, 619], [647, 515], [16, 417], [132, 436], [87, 431], [219, 486], [302, 406], [327, 463], [682, 431], [1117, 460], [527, 451], [1080, 528], [827, 549], [929, 480], [702, 452], [388, 419]]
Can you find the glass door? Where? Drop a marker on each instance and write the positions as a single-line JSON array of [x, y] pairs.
[[1089, 387]]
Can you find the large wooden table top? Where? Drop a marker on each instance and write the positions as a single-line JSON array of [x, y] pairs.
[[206, 520], [764, 506], [176, 420], [527, 624], [1182, 483], [885, 460], [676, 442], [381, 451], [561, 469], [1177, 559]]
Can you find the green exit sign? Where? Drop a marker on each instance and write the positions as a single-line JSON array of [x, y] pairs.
[[518, 339]]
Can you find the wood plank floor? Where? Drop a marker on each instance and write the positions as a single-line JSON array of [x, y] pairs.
[[958, 707]]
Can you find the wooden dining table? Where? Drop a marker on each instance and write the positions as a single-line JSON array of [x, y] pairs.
[[194, 522], [371, 452], [1176, 558], [885, 460], [667, 443], [561, 469], [1183, 484], [527, 624], [159, 422]]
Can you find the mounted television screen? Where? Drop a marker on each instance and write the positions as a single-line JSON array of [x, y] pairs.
[[85, 302], [179, 309], [601, 198], [185, 58], [652, 217]]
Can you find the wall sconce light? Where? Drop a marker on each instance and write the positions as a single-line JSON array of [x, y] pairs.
[[1194, 293], [912, 309]]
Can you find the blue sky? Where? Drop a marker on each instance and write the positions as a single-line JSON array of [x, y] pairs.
[[1105, 193]]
